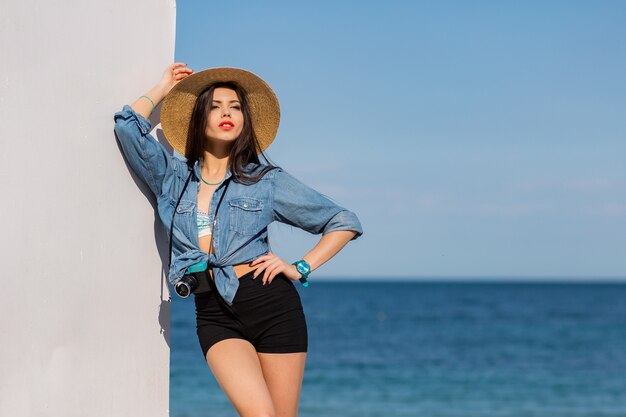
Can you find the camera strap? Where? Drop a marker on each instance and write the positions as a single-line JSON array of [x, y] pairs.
[[169, 261]]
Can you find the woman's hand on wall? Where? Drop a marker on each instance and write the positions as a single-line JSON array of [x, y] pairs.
[[271, 265], [172, 75]]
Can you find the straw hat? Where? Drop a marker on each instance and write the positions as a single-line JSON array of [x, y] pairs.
[[179, 103]]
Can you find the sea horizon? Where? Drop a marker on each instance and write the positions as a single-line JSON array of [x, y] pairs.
[[440, 349]]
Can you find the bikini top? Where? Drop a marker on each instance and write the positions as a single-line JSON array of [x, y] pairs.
[[204, 227]]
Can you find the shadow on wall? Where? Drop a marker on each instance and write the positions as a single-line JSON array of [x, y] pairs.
[[155, 119], [162, 240], [160, 235]]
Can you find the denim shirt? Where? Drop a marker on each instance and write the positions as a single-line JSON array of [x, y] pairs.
[[240, 233]]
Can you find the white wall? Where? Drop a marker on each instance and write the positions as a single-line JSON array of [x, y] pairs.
[[83, 324]]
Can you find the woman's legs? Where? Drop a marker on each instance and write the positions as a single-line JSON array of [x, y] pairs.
[[283, 373], [256, 351], [237, 369], [258, 384]]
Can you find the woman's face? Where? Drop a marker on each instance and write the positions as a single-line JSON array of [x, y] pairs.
[[225, 120]]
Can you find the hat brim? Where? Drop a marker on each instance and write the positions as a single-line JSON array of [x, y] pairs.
[[179, 103]]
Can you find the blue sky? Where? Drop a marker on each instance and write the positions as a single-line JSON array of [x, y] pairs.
[[473, 139]]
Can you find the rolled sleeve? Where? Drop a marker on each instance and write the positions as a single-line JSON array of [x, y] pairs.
[[146, 156], [345, 220], [296, 204]]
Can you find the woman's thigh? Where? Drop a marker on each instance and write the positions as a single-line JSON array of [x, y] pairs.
[[283, 373], [237, 369]]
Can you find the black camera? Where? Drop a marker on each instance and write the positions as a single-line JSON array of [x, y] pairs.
[[195, 282]]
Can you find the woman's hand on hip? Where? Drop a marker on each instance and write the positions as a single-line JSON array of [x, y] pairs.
[[271, 265]]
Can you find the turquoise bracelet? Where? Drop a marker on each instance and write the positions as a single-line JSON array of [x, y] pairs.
[[150, 101]]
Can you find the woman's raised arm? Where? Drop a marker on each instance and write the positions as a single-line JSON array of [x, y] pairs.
[[171, 76], [146, 156]]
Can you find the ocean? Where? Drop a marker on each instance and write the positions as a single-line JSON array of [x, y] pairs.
[[439, 349]]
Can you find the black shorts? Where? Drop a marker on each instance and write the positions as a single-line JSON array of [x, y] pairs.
[[268, 316]]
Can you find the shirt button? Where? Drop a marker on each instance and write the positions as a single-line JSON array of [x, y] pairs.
[[245, 205]]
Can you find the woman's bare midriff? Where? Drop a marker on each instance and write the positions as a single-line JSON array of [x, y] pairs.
[[240, 269]]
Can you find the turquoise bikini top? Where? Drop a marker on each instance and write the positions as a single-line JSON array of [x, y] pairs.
[[204, 227]]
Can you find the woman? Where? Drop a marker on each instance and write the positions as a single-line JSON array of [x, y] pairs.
[[220, 199]]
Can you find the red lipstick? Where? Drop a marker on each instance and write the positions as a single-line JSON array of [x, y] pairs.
[[226, 125]]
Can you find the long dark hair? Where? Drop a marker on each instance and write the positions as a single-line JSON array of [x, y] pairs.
[[243, 151]]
